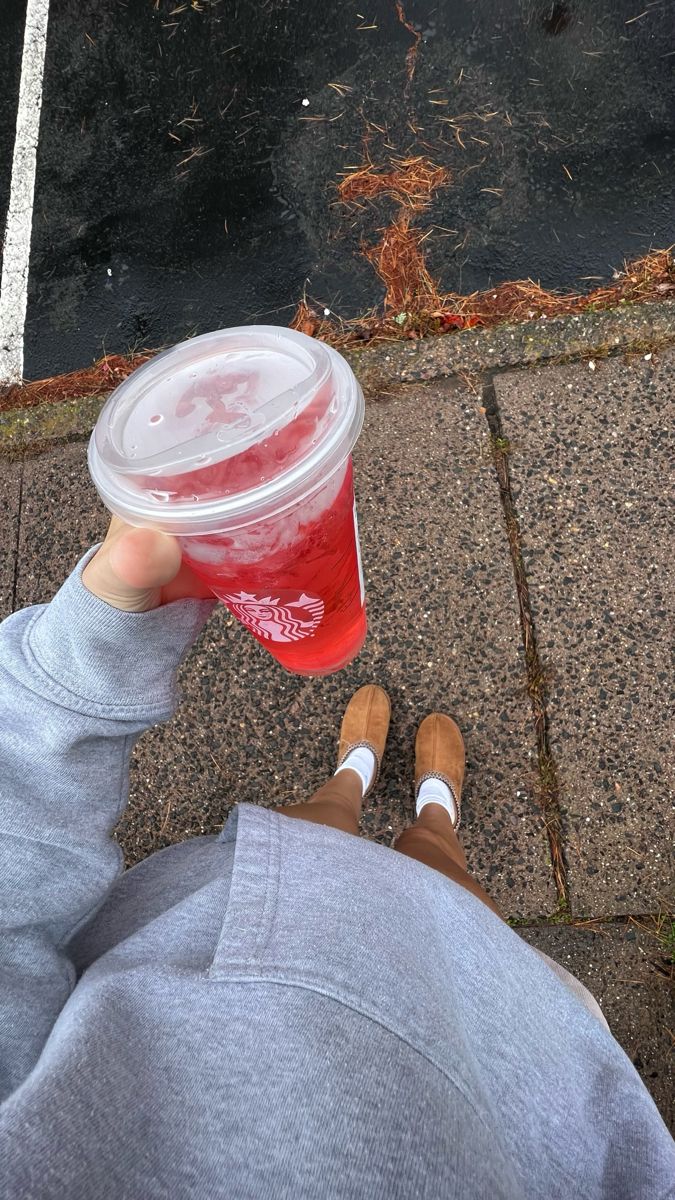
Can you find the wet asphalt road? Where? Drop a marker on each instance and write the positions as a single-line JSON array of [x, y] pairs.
[[183, 184]]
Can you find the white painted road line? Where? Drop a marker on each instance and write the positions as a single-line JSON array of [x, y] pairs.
[[16, 252]]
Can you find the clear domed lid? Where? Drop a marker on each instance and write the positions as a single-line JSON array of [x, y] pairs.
[[224, 425]]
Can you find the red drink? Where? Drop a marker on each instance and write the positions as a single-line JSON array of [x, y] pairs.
[[294, 581], [239, 443]]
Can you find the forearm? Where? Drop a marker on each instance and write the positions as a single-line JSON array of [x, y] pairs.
[[79, 681]]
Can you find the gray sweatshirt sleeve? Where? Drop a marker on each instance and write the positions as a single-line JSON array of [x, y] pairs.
[[79, 681]]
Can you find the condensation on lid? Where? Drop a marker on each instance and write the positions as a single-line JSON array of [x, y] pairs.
[[211, 400]]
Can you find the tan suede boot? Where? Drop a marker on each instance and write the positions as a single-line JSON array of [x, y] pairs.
[[366, 723], [439, 754]]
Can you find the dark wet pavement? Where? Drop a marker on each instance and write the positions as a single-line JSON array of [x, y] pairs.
[[183, 185], [11, 40]]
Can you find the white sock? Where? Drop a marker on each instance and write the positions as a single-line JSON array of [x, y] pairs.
[[361, 760], [434, 791]]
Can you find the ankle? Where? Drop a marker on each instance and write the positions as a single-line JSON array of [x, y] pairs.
[[434, 816], [435, 825], [350, 795]]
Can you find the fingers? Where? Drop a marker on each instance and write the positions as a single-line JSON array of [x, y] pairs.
[[144, 558]]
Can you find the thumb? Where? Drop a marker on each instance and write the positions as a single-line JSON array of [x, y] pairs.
[[132, 566]]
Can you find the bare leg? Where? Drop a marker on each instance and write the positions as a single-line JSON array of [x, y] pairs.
[[337, 803], [433, 841]]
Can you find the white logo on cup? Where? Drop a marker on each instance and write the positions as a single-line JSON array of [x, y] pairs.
[[289, 617]]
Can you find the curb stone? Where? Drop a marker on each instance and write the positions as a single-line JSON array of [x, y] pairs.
[[631, 328]]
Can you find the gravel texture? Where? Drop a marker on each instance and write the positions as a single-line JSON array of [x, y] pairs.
[[592, 483]]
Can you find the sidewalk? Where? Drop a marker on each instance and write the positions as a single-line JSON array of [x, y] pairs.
[[516, 558]]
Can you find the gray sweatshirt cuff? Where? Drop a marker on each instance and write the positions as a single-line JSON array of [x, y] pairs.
[[101, 655]]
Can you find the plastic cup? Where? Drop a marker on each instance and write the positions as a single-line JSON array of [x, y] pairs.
[[239, 443]]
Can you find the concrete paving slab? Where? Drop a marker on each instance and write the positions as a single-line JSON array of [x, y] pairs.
[[593, 485], [10, 499], [621, 966], [444, 634], [61, 516]]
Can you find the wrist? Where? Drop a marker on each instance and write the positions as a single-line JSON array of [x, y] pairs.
[[90, 654]]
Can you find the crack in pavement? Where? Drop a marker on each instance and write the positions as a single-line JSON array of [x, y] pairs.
[[549, 786]]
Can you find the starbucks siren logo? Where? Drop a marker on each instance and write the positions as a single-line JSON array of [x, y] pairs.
[[286, 617]]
